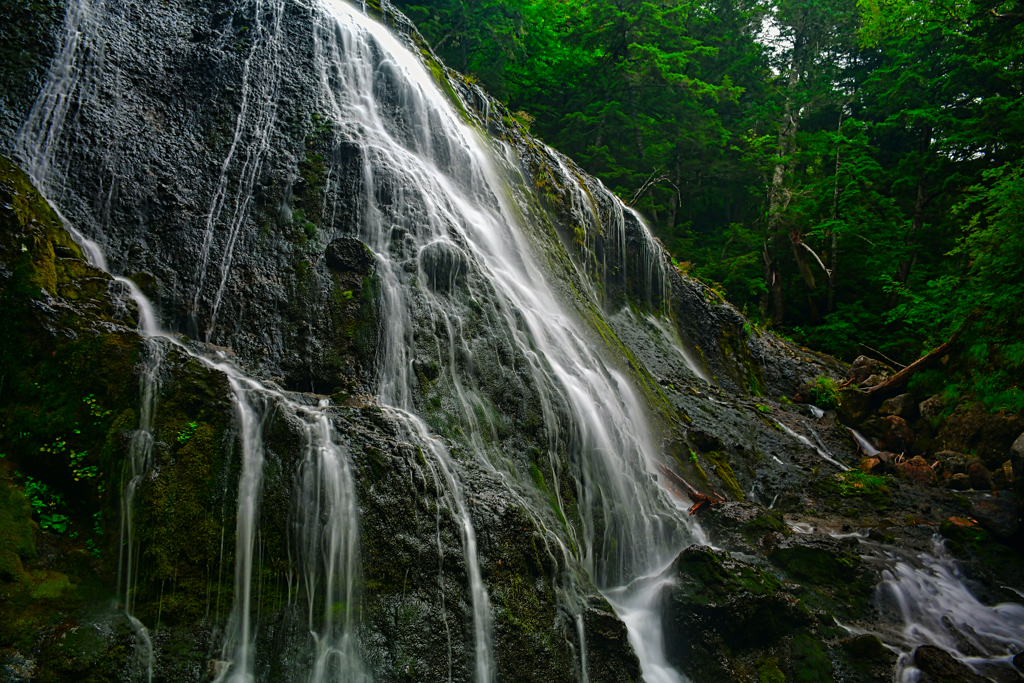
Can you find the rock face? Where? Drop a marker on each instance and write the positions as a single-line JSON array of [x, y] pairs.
[[938, 666], [319, 293]]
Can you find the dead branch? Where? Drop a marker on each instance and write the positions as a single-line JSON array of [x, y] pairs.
[[699, 499]]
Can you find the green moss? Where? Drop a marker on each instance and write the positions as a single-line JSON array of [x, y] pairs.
[[768, 671], [810, 662], [725, 473]]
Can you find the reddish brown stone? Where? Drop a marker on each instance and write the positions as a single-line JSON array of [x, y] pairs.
[[871, 465], [916, 469]]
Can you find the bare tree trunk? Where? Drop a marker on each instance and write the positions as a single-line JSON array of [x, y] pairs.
[[780, 194]]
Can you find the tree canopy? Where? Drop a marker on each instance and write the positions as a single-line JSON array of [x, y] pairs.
[[847, 172]]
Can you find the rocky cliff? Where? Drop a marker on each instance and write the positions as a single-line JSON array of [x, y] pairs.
[[416, 398]]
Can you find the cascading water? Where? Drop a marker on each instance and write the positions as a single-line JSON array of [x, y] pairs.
[[435, 211], [935, 607], [439, 209]]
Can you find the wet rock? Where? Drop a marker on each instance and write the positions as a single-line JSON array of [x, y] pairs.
[[444, 264], [896, 434], [705, 441], [347, 254], [980, 477], [998, 516], [900, 406], [918, 470], [853, 405], [863, 368], [952, 462], [743, 527], [869, 657], [958, 482], [930, 408], [938, 666], [832, 566], [888, 461], [611, 657], [1002, 477], [717, 608]]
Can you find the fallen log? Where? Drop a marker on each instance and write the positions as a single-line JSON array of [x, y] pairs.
[[898, 382]]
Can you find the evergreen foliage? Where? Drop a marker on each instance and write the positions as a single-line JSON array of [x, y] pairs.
[[849, 172]]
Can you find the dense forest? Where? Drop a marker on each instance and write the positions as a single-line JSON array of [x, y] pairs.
[[849, 174]]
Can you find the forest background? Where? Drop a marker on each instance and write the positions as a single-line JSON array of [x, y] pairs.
[[847, 173]]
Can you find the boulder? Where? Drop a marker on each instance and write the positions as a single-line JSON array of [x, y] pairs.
[[871, 466], [938, 666], [952, 462], [930, 408], [349, 255], [980, 477], [998, 516], [1002, 477], [863, 368], [896, 434], [958, 482], [1017, 449], [444, 264], [918, 470], [900, 406], [717, 608], [853, 405]]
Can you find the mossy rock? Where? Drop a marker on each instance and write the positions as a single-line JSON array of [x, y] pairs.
[[717, 609]]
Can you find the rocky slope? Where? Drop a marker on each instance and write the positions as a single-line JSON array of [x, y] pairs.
[[196, 144]]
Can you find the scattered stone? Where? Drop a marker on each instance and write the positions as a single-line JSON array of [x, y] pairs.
[[864, 368], [1002, 477], [896, 434], [900, 406], [871, 466], [347, 254], [952, 462], [981, 478], [918, 470], [930, 408], [938, 666], [998, 516], [958, 482]]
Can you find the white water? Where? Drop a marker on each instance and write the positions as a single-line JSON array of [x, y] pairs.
[[929, 593], [450, 174], [818, 448], [865, 445], [449, 195]]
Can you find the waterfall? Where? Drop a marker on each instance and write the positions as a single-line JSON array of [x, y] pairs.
[[455, 248], [436, 210]]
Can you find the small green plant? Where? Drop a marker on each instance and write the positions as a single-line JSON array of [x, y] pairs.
[[825, 392], [186, 433], [95, 409], [79, 469], [763, 408], [44, 502], [348, 294]]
